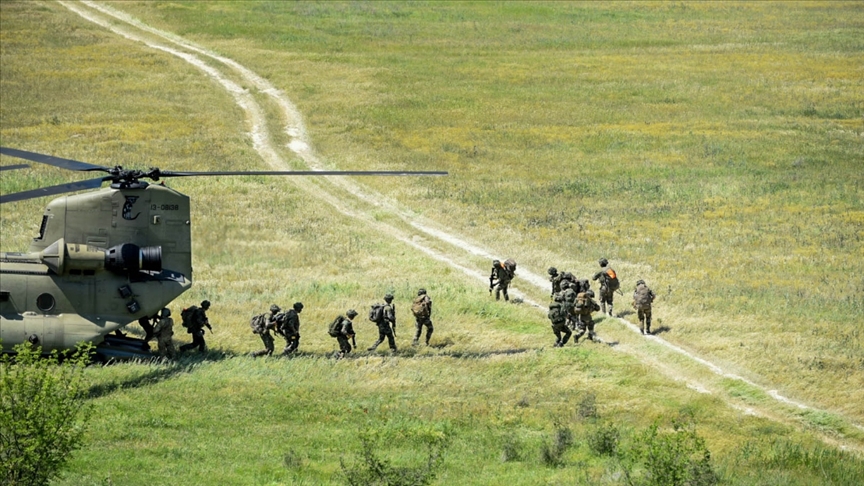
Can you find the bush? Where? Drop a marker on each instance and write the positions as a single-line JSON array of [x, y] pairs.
[[603, 441], [663, 458], [372, 470], [42, 413], [552, 455]]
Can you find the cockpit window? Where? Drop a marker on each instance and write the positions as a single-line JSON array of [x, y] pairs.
[[42, 227]]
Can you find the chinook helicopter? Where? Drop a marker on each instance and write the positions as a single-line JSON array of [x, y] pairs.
[[106, 258]]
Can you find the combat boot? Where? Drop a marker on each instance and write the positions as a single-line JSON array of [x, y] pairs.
[[610, 310], [603, 307], [648, 325]]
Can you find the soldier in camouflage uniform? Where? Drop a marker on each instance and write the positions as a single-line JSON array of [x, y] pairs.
[[584, 307], [558, 316], [386, 319], [270, 323], [289, 327], [343, 330], [163, 331], [500, 279], [643, 297], [568, 300], [607, 292], [196, 327], [422, 310], [555, 278]]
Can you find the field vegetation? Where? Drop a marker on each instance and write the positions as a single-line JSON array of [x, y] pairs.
[[713, 149]]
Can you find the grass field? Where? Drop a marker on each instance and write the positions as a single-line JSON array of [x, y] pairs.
[[712, 149]]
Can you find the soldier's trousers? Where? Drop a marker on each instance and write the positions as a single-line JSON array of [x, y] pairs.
[[268, 345], [584, 324], [291, 344], [344, 344], [384, 331], [418, 327], [197, 342], [606, 297], [644, 320], [166, 348], [561, 328], [502, 288]]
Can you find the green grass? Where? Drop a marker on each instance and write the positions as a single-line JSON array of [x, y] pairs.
[[711, 149]]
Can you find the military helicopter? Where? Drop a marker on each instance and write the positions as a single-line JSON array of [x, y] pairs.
[[104, 258]]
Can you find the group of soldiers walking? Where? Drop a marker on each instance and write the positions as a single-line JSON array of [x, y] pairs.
[[573, 302], [384, 317], [161, 327], [570, 311]]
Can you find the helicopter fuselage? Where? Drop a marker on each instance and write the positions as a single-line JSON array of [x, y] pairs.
[[102, 259]]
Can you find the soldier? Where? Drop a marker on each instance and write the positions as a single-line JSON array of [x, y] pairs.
[[555, 278], [568, 300], [263, 328], [558, 316], [384, 316], [500, 279], [643, 297], [289, 327], [422, 310], [585, 305], [342, 328], [197, 322], [163, 331], [608, 284], [147, 326]]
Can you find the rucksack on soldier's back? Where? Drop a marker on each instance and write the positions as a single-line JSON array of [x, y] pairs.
[[642, 296], [419, 307], [376, 312], [581, 303], [510, 266], [556, 313], [186, 316], [334, 328], [258, 323], [612, 280]]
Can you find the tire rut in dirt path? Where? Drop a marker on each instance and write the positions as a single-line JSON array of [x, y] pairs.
[[301, 146]]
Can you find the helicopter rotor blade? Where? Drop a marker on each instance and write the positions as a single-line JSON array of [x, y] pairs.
[[303, 173], [13, 167], [68, 164], [52, 190]]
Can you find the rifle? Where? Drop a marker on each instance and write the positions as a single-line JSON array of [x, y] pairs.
[[491, 283], [394, 321], [353, 341]]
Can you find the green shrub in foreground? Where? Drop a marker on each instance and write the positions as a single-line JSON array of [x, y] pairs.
[[42, 413]]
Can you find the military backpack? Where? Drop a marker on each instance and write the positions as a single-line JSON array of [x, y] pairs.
[[186, 317], [582, 305], [258, 323], [335, 327], [376, 313], [557, 314], [420, 307], [612, 280], [643, 297], [510, 266]]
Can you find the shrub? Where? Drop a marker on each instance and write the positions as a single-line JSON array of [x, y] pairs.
[[664, 458], [42, 413], [372, 470], [552, 454], [603, 441]]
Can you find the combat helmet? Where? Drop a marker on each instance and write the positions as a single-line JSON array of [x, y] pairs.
[[388, 298], [552, 271], [205, 304], [351, 313], [166, 312], [603, 262], [640, 282], [275, 309], [589, 294], [421, 292], [298, 306]]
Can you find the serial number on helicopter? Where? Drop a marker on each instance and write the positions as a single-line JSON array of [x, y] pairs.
[[165, 207]]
